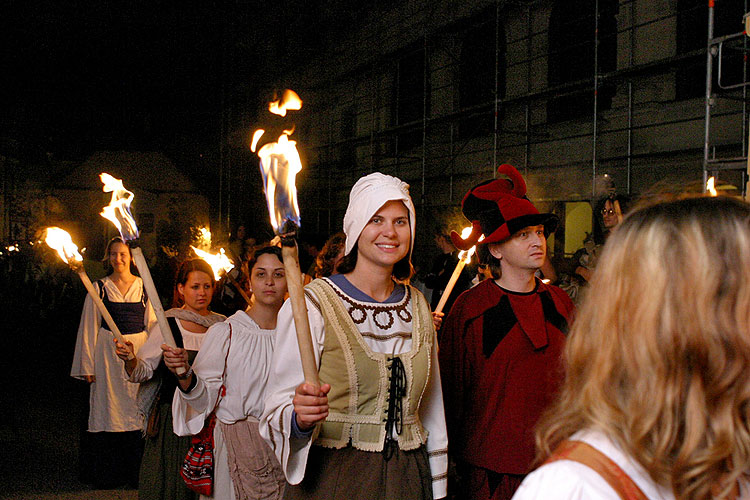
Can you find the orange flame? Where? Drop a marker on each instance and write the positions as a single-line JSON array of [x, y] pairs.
[[710, 187], [118, 210], [219, 261], [60, 241], [289, 101], [466, 255]]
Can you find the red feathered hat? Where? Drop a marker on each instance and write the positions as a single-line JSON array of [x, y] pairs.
[[498, 208]]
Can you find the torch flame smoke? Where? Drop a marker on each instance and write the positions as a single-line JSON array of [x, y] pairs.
[[279, 164], [118, 210], [289, 101], [710, 187], [60, 241], [466, 255], [219, 262]]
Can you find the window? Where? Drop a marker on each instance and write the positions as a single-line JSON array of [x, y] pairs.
[[572, 31]]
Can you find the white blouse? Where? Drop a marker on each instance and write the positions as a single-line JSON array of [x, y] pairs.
[[248, 366], [149, 355]]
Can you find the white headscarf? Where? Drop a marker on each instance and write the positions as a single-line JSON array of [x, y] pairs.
[[367, 196]]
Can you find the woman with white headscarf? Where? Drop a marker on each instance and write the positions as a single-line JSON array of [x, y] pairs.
[[375, 428]]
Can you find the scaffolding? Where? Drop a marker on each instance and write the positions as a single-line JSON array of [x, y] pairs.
[[714, 165]]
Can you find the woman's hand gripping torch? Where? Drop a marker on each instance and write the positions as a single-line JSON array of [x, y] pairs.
[[60, 241], [279, 165], [118, 212]]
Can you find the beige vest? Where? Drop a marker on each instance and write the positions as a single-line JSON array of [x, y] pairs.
[[358, 416]]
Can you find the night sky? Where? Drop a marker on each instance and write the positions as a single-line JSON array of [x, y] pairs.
[[134, 75]]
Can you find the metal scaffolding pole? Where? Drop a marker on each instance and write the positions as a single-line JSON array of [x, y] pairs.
[[709, 78]]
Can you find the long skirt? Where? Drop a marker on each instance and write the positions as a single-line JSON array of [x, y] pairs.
[[348, 474], [163, 455]]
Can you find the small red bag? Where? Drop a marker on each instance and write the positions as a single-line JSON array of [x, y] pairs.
[[198, 468]]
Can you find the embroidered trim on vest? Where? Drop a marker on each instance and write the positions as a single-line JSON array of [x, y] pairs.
[[403, 335], [348, 427], [358, 310]]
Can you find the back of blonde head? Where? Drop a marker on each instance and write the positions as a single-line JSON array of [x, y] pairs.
[[659, 355]]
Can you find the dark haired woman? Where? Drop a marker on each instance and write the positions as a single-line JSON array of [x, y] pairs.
[[189, 319], [237, 355], [375, 428], [113, 424]]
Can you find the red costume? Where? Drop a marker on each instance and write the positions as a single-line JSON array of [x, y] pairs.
[[500, 363]]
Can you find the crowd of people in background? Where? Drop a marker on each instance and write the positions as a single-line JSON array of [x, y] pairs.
[[506, 393]]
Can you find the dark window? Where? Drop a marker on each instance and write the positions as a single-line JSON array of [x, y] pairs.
[[692, 33], [572, 35], [412, 89], [481, 76]]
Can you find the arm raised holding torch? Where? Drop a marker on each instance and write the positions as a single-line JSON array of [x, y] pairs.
[[118, 212]]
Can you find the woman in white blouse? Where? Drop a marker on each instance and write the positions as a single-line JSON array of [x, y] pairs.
[[189, 319], [114, 440], [244, 466], [656, 400]]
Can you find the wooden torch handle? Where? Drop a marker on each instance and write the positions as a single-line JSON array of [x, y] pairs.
[[299, 310], [153, 296], [450, 285]]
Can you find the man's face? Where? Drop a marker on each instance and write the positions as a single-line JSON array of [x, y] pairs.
[[526, 249]]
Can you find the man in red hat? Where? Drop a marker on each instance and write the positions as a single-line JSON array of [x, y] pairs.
[[501, 346]]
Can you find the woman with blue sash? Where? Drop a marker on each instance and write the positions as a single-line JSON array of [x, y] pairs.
[[113, 436]]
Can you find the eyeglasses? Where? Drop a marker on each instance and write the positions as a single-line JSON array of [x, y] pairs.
[[608, 211]]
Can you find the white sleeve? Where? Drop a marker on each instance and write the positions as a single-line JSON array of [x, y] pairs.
[[189, 410], [148, 356], [88, 331], [565, 480], [286, 374], [432, 414]]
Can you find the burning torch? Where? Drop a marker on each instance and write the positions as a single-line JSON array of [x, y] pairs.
[[60, 241], [464, 257], [118, 212], [279, 165], [221, 264]]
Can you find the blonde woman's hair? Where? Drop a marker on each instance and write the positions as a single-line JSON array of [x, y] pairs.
[[659, 356]]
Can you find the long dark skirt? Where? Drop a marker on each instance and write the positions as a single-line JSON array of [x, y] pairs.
[[349, 474], [163, 455]]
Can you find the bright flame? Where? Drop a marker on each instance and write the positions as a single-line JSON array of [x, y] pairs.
[[466, 255], [256, 137], [203, 239], [280, 163], [60, 241], [219, 262], [710, 187], [289, 101], [118, 210]]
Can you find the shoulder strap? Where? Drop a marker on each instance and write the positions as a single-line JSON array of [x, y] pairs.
[[176, 333], [102, 291], [600, 463], [223, 389]]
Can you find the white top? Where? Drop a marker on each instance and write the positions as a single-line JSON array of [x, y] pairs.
[[112, 399], [149, 356], [286, 375], [246, 376], [569, 480]]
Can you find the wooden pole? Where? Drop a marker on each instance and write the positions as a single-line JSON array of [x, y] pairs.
[[299, 310], [100, 305], [153, 295], [450, 285]]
